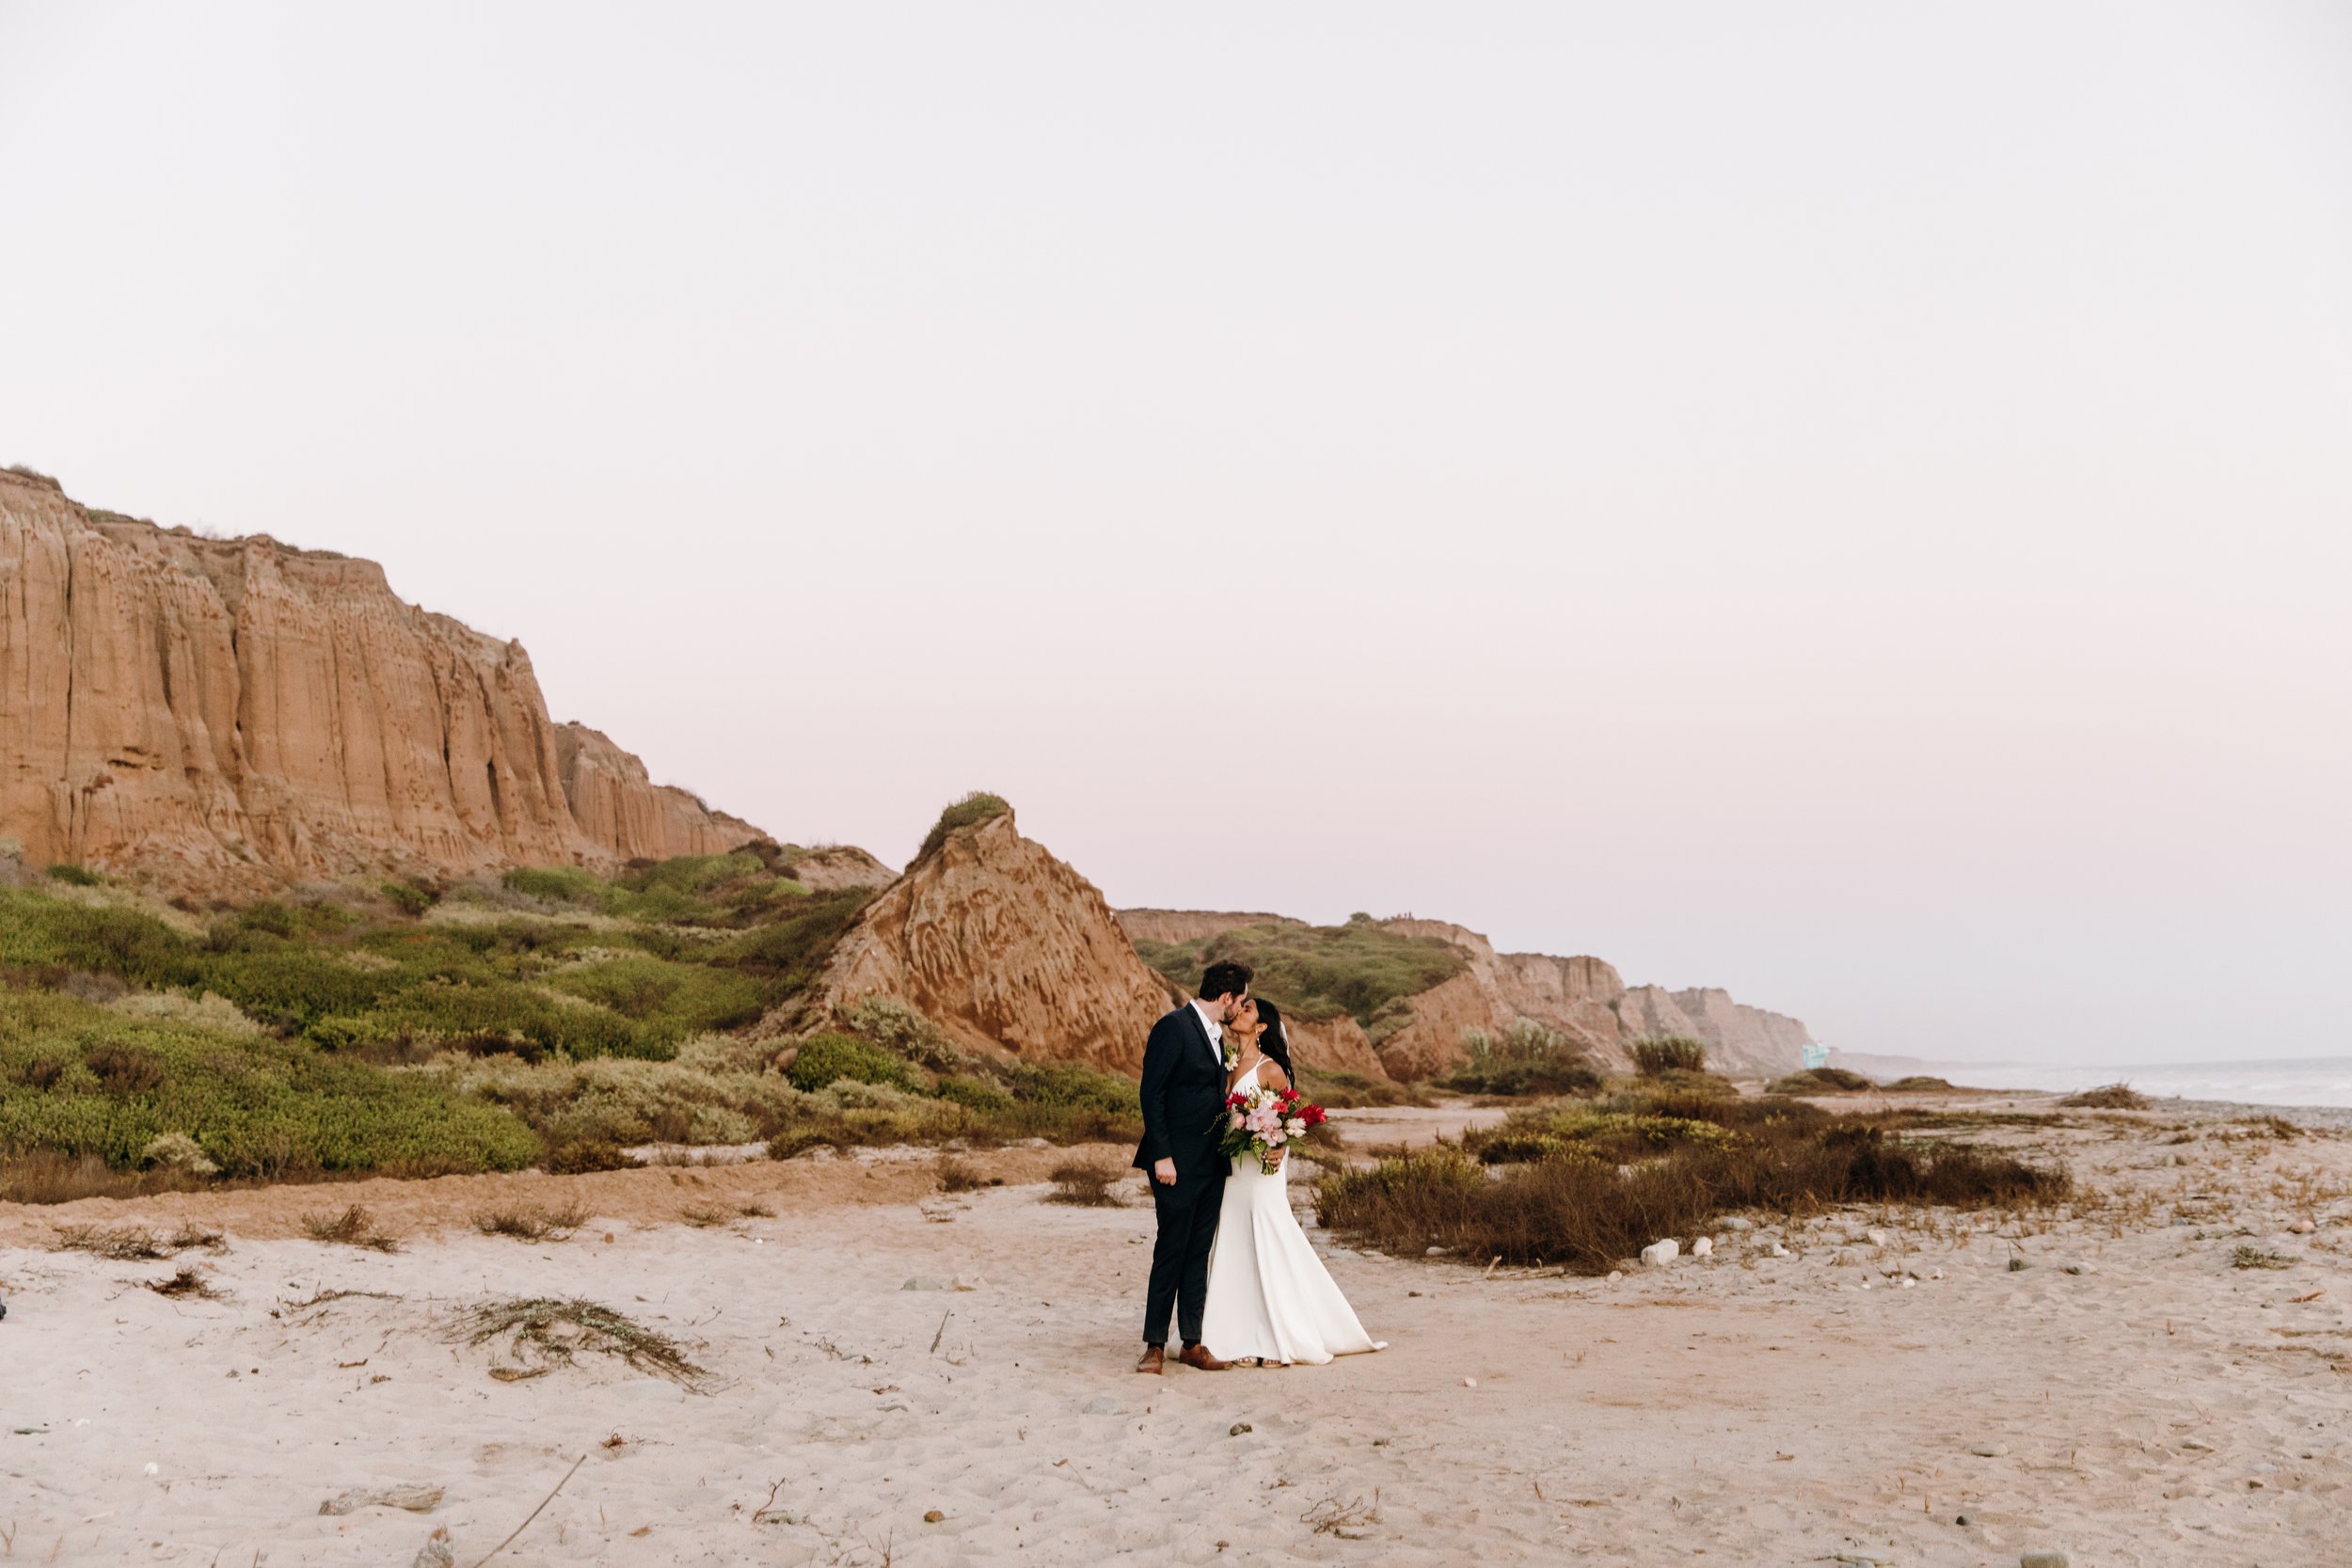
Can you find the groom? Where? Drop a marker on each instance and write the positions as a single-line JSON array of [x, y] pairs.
[[1183, 1092]]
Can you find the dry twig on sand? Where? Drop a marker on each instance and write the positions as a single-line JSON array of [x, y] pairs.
[[135, 1244], [1346, 1520], [188, 1282], [551, 1332]]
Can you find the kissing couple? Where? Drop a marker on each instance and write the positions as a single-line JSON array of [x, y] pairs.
[[1230, 1257]]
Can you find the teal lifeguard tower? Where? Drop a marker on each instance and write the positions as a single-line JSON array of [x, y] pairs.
[[1816, 1056]]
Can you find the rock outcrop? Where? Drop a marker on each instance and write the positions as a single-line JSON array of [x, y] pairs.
[[225, 715], [1175, 926], [619, 806], [1007, 949], [1571, 995], [839, 865]]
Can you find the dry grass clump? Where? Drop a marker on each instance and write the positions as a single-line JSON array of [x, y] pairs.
[[543, 1333], [1665, 1053], [2255, 1258], [2108, 1097], [188, 1282], [354, 1226], [1525, 1059], [531, 1223], [1921, 1083], [1085, 1185], [1580, 1207], [125, 1243], [955, 1176], [50, 1175], [703, 1217], [1819, 1080]]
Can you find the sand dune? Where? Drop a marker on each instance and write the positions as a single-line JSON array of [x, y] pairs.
[[2161, 1407]]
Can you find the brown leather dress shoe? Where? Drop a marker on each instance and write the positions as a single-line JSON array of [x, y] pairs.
[[1154, 1359], [1198, 1355]]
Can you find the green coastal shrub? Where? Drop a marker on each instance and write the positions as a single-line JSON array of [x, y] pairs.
[[824, 1059], [79, 1079], [977, 807], [1317, 973]]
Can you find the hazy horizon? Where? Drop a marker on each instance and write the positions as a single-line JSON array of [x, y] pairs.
[[1847, 505]]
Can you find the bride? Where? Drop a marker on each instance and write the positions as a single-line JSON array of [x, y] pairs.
[[1269, 1299]]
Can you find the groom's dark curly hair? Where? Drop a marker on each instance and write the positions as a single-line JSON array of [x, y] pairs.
[[1226, 975]]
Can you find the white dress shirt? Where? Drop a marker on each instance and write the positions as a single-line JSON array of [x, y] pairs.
[[1217, 1030]]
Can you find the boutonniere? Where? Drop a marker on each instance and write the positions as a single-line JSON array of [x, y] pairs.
[[1233, 1058]]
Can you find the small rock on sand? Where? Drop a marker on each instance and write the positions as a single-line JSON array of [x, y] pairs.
[[415, 1499], [1988, 1451], [1779, 1251], [1239, 1428], [1736, 1224], [1703, 1248], [925, 1282], [1102, 1404], [1876, 1238], [1659, 1253], [2044, 1560]]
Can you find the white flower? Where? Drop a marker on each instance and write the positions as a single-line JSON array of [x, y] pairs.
[[1296, 1126]]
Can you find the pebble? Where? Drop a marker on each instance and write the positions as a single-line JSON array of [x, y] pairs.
[[153, 1469], [1703, 1248], [1961, 1519], [1659, 1253], [2302, 1227], [1102, 1404], [2045, 1559], [1239, 1428], [1433, 1252], [1737, 1225], [1988, 1451], [925, 1282], [1876, 1238], [1616, 1275], [1470, 1382], [933, 1516], [1779, 1251]]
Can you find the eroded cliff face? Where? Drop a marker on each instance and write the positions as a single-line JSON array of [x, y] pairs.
[[1572, 996], [1007, 949], [221, 715], [622, 809]]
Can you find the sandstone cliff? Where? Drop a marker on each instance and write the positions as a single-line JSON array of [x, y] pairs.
[[222, 714], [1174, 925], [840, 865], [1007, 949], [619, 807]]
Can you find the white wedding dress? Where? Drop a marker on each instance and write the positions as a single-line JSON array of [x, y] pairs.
[[1270, 1294]]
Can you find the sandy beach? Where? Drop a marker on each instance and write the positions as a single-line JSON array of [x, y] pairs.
[[891, 1374]]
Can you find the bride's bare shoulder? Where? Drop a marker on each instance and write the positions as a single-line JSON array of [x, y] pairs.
[[1271, 1076]]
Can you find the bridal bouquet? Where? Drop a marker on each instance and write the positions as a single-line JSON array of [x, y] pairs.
[[1259, 1123]]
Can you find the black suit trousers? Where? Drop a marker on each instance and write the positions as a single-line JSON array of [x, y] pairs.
[[1187, 1212]]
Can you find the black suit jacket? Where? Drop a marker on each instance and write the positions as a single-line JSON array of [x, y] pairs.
[[1183, 1092]]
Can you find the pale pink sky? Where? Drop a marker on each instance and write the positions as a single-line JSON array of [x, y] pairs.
[[1852, 503]]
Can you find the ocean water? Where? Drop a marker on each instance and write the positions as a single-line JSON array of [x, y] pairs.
[[2308, 1080]]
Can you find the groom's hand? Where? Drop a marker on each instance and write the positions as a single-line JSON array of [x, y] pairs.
[[1163, 1172]]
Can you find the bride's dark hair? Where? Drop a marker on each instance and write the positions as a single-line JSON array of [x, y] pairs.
[[1270, 1017]]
